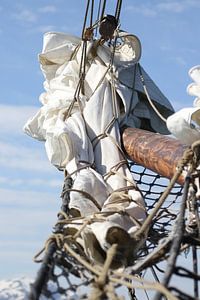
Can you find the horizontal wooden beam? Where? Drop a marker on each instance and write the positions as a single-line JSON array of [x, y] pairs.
[[154, 151]]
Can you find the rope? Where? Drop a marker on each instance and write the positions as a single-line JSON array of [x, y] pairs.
[[103, 9], [118, 10], [176, 243], [187, 157], [87, 195], [98, 16], [102, 272], [148, 97], [92, 12], [85, 19], [195, 269], [112, 278]]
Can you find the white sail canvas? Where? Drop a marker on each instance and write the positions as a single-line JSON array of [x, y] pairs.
[[81, 131]]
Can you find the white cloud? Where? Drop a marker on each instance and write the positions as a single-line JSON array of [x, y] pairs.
[[179, 60], [29, 16], [48, 9], [13, 117], [11, 182], [3, 180], [166, 48], [26, 15], [43, 182], [16, 200], [28, 217], [23, 158], [45, 28], [172, 6], [143, 9], [31, 183], [13, 153], [39, 218]]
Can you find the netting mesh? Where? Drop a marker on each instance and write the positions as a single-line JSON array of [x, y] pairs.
[[152, 186], [69, 274]]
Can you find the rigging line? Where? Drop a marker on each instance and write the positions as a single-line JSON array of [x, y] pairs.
[[84, 60], [142, 283], [98, 14], [83, 56], [71, 106], [99, 8], [186, 158], [42, 275], [91, 13], [87, 196], [111, 69], [133, 90], [195, 269], [82, 68], [85, 18], [103, 9], [152, 268], [178, 234], [154, 274], [114, 97], [148, 97], [118, 10]]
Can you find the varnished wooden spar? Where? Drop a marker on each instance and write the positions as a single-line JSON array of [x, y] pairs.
[[154, 151]]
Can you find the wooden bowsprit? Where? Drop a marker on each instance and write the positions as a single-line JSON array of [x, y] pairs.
[[156, 152]]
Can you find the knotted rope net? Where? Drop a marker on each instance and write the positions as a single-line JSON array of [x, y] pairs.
[[168, 259]]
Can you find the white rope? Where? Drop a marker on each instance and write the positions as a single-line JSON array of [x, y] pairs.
[[148, 97]]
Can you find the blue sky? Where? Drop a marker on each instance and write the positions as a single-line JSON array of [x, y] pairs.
[[29, 186]]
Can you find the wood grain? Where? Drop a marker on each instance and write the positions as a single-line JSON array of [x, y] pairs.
[[154, 151]]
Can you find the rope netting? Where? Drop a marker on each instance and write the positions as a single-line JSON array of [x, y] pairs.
[[66, 272]]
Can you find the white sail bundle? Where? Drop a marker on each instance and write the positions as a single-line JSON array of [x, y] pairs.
[[185, 124], [80, 123]]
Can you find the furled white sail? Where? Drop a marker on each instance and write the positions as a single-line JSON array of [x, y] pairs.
[[80, 123]]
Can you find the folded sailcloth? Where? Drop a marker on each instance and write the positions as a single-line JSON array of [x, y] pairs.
[[185, 123], [82, 135]]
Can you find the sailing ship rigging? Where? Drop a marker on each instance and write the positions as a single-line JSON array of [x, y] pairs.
[[95, 88]]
